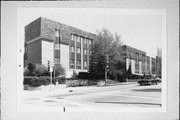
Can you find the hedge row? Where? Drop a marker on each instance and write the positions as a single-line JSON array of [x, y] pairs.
[[43, 80]]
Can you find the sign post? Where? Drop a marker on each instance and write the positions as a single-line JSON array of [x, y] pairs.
[[51, 70]]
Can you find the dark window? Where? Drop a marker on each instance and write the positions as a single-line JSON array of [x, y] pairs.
[[78, 63], [72, 62], [57, 40], [56, 53], [57, 60]]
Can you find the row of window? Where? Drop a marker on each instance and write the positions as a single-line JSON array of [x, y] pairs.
[[77, 46], [72, 49], [57, 47], [78, 62], [75, 37], [78, 39]]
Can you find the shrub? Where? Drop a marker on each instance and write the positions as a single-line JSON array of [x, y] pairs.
[[133, 76], [59, 70], [120, 76], [36, 81], [74, 75], [41, 70], [26, 72], [117, 75], [61, 80], [31, 67], [96, 76], [83, 75], [37, 70]]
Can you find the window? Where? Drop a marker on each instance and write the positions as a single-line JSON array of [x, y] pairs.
[[82, 38], [56, 53], [71, 62], [72, 49], [90, 42], [57, 33], [85, 41], [57, 60], [85, 63], [78, 63], [78, 39], [78, 50], [85, 51]]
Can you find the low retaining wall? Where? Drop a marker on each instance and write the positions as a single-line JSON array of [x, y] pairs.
[[74, 83]]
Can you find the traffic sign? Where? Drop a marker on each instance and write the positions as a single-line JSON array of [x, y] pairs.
[[51, 69]]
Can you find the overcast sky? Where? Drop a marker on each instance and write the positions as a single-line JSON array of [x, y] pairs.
[[141, 29]]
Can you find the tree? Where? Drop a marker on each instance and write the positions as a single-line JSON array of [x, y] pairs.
[[129, 72], [31, 67], [107, 45], [74, 75], [59, 70], [26, 71], [41, 70]]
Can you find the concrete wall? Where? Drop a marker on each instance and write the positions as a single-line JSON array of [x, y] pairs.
[[127, 63], [34, 52], [43, 51], [64, 57], [133, 66], [47, 51], [140, 67]]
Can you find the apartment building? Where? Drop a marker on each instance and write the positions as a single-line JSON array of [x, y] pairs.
[[48, 40], [139, 62]]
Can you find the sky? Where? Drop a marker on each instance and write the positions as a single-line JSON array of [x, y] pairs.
[[139, 28]]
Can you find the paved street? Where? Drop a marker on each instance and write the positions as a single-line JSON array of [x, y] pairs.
[[121, 95]]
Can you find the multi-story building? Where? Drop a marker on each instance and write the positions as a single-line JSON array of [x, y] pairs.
[[135, 59], [139, 62], [158, 65], [47, 40], [153, 65], [148, 65]]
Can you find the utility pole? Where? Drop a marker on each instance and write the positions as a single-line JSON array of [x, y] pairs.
[[106, 68], [105, 62]]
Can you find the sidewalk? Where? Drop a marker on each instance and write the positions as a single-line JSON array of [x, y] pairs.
[[60, 89]]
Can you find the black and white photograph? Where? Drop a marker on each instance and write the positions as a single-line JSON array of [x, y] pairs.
[[93, 60], [85, 58]]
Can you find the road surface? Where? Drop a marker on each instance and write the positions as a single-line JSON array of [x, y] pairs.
[[121, 95]]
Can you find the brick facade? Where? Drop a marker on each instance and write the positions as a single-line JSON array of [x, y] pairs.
[[57, 34], [74, 46], [139, 61]]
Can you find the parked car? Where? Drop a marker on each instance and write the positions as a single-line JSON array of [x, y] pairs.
[[148, 82]]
